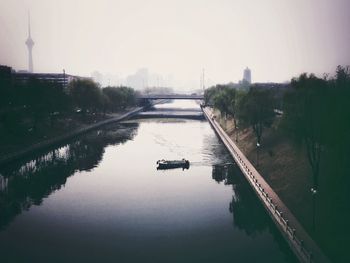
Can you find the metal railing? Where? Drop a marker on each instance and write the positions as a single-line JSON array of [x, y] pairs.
[[277, 214], [302, 250]]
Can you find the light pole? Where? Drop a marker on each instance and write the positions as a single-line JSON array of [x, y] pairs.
[[64, 78], [236, 133], [257, 153], [313, 192]]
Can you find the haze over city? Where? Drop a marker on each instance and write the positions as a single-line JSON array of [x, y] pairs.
[[184, 131], [276, 39]]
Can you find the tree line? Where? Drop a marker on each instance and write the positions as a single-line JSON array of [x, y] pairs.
[[316, 114], [33, 101], [252, 108]]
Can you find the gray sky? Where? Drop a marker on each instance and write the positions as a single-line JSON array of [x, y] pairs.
[[277, 39]]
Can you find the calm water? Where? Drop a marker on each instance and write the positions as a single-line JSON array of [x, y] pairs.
[[101, 199]]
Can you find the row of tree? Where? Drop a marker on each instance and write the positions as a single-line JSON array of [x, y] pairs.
[[316, 113], [89, 97], [36, 101], [254, 107]]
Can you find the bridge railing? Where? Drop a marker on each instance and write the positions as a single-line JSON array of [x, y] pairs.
[[171, 96]]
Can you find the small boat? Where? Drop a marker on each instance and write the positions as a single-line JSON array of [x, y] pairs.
[[164, 164]]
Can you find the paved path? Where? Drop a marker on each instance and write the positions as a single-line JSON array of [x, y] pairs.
[[300, 242]]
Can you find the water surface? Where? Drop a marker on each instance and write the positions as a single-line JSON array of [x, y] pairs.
[[100, 198]]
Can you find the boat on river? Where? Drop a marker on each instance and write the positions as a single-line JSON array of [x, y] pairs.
[[166, 164]]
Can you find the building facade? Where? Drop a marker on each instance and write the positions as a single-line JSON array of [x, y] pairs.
[[247, 76]]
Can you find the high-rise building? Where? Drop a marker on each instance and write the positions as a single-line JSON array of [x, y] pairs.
[[247, 76], [139, 80], [30, 44]]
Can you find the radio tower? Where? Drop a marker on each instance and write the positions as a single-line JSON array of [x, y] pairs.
[[30, 44], [203, 80]]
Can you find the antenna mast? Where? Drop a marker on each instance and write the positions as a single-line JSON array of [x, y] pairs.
[[203, 82]]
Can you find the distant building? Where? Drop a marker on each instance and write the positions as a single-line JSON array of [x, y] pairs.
[[5, 73], [247, 76], [139, 80], [58, 78]]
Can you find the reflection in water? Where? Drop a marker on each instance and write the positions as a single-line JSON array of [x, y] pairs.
[[28, 184], [116, 208], [3, 183], [248, 214], [214, 152]]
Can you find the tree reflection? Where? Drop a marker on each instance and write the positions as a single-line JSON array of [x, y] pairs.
[[248, 213], [23, 184]]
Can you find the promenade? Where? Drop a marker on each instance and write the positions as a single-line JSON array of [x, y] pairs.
[[297, 238]]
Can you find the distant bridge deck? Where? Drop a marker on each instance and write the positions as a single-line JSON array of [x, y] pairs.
[[172, 96], [194, 115], [190, 113]]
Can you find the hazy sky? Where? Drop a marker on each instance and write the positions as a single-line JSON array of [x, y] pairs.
[[277, 39]]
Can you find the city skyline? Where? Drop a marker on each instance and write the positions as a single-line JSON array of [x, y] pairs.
[[276, 40]]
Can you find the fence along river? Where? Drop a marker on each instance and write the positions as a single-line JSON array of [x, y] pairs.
[[100, 198]]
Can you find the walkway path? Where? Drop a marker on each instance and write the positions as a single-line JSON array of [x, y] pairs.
[[300, 242]]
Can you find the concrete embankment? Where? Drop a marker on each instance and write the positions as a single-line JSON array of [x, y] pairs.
[[297, 238], [59, 139]]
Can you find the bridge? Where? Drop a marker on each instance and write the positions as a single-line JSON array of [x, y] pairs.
[[171, 96]]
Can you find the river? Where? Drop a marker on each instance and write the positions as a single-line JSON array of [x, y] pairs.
[[100, 198]]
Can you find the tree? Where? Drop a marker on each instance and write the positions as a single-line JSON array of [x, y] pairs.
[[209, 95], [256, 110], [119, 98], [224, 100], [338, 138], [306, 115], [222, 97], [221, 102], [86, 95]]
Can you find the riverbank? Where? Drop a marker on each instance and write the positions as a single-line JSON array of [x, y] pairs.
[[300, 242], [207, 213], [10, 151], [284, 165]]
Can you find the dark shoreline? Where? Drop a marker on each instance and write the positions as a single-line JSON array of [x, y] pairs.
[[65, 137]]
